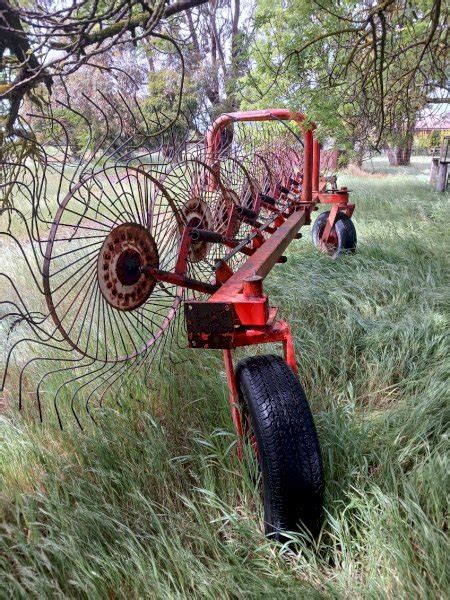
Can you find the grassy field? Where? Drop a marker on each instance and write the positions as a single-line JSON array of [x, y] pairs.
[[153, 502]]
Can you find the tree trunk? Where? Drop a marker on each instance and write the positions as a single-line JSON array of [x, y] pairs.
[[400, 155], [358, 155], [357, 160]]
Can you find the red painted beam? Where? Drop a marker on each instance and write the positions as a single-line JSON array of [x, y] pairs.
[[307, 167], [262, 261]]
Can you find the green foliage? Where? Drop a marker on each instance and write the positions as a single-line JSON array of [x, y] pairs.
[[430, 141], [435, 139], [360, 70], [77, 130], [422, 143], [277, 78], [166, 99]]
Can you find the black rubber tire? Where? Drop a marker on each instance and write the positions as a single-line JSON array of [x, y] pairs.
[[345, 233], [287, 443]]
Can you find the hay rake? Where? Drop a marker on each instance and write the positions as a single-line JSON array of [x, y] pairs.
[[130, 243]]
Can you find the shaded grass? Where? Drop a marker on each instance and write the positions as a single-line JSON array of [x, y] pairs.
[[153, 503]]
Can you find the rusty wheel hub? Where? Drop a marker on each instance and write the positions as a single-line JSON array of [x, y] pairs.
[[197, 214], [125, 252]]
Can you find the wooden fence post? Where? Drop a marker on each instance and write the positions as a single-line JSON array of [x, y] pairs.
[[441, 182]]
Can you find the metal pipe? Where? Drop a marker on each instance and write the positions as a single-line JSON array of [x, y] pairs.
[[212, 237], [180, 280], [265, 227], [316, 166], [307, 167], [213, 135], [270, 114]]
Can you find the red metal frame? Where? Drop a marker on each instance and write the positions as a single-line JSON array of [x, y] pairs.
[[274, 331], [237, 312]]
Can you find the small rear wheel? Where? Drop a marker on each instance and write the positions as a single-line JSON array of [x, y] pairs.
[[342, 237], [287, 446]]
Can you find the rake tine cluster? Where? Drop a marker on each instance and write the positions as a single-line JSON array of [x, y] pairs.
[[101, 245]]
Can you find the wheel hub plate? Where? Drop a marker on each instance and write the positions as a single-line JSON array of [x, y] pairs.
[[125, 252], [197, 214]]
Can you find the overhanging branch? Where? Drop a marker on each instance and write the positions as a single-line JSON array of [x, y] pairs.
[[132, 23], [30, 71]]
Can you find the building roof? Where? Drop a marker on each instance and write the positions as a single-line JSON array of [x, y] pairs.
[[434, 122]]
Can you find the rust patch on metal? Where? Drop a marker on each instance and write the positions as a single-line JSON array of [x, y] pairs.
[[209, 324], [197, 214], [126, 251]]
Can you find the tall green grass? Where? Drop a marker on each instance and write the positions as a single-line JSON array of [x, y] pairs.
[[153, 502]]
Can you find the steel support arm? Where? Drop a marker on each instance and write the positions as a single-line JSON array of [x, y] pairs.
[[262, 261]]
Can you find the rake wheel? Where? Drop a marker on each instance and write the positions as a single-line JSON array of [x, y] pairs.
[[120, 251], [197, 214], [107, 229], [200, 205]]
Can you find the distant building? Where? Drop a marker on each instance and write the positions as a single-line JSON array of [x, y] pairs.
[[432, 128]]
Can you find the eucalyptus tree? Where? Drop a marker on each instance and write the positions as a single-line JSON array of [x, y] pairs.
[[41, 42], [363, 69]]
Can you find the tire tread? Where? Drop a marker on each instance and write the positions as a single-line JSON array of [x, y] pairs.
[[287, 443]]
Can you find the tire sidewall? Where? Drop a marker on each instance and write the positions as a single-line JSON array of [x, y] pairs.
[[345, 241], [288, 449]]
